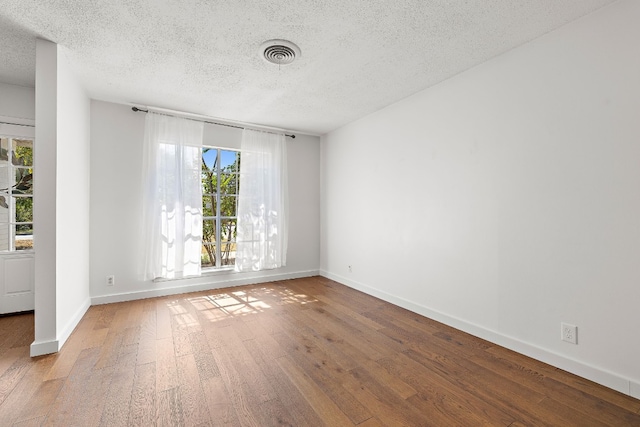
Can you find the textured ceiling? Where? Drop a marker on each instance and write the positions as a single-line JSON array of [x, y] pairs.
[[201, 56]]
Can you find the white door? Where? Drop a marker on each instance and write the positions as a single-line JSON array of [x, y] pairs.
[[16, 218]]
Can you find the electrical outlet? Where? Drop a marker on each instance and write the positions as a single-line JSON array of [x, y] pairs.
[[350, 271], [111, 280], [569, 333]]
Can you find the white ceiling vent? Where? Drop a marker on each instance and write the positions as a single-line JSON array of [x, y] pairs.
[[280, 52]]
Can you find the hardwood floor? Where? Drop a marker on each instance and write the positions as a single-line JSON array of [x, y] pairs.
[[305, 352]]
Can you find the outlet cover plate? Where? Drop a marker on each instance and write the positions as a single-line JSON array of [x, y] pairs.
[[569, 333]]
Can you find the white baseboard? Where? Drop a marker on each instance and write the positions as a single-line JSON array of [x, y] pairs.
[[600, 376], [73, 322], [226, 283], [44, 347], [634, 389], [53, 346]]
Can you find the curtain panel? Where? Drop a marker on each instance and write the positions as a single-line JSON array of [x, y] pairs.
[[172, 197], [261, 241]]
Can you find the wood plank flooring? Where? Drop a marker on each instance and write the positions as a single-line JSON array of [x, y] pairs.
[[305, 352]]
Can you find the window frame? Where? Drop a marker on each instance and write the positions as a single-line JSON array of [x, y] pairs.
[[26, 133], [218, 218]]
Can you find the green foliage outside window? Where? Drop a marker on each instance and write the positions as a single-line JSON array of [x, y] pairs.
[[16, 168], [223, 176]]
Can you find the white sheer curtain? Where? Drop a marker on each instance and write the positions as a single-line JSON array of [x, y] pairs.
[[172, 198], [262, 202]]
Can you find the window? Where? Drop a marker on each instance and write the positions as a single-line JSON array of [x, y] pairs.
[[220, 184], [16, 194], [191, 200]]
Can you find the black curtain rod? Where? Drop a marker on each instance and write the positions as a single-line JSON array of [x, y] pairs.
[[17, 124], [136, 109]]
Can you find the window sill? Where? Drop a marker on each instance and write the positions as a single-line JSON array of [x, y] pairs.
[[18, 253], [211, 271]]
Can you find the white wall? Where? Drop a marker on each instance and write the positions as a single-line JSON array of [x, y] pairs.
[[17, 101], [61, 200], [116, 159], [17, 106], [505, 200], [44, 199], [72, 199]]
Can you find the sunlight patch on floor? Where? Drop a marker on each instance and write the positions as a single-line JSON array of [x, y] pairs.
[[218, 306]]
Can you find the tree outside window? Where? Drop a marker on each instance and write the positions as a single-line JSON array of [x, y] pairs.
[[220, 184], [16, 194]]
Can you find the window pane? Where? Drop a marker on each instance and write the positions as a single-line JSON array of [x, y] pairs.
[[24, 229], [228, 254], [24, 209], [209, 158], [4, 207], [23, 182], [228, 206], [209, 182], [229, 183], [209, 205], [22, 152], [23, 237], [228, 160], [209, 165], [208, 243], [208, 257], [24, 243], [228, 230], [209, 231]]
